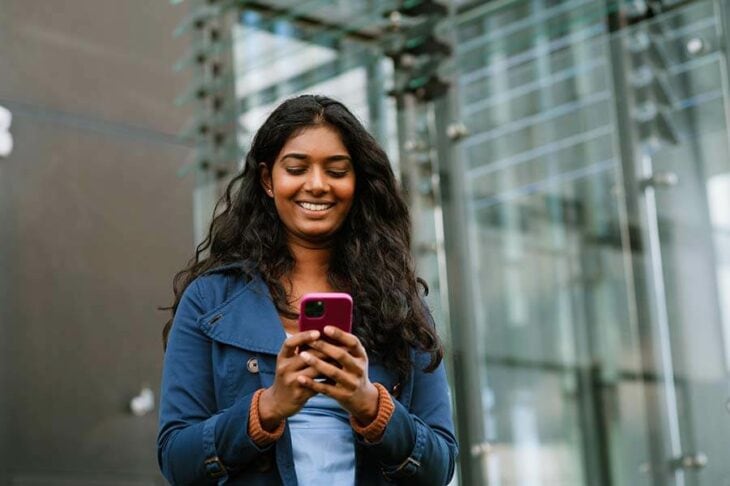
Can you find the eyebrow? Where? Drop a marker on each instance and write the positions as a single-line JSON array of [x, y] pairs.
[[333, 158]]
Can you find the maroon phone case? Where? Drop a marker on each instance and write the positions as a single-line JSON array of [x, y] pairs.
[[337, 312]]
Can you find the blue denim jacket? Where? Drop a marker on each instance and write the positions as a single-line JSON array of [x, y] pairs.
[[222, 348]]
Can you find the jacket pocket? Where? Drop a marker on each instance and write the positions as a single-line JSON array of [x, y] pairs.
[[237, 370], [236, 373]]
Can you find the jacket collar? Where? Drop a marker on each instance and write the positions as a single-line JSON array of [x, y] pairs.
[[247, 319]]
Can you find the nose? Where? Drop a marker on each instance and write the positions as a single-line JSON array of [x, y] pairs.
[[316, 182]]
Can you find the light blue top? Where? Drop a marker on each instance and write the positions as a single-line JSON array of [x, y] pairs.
[[322, 443]]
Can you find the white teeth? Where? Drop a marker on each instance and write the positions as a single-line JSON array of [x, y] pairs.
[[314, 207]]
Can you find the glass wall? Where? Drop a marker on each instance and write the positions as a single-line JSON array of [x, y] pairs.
[[597, 198], [545, 226]]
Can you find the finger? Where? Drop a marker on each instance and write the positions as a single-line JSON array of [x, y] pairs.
[[340, 354], [289, 348], [320, 387], [296, 363], [319, 354], [348, 380], [350, 341], [304, 393], [292, 378], [309, 372]]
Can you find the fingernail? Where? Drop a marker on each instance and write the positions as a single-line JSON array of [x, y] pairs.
[[329, 330], [305, 356], [314, 334]]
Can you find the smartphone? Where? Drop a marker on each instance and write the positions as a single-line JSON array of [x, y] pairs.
[[320, 309]]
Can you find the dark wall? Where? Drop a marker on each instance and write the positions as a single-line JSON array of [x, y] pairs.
[[93, 224]]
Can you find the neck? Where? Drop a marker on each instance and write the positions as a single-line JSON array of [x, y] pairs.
[[310, 259]]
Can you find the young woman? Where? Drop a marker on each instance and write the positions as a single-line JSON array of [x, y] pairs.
[[315, 209]]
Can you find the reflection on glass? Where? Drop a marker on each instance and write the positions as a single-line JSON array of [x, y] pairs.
[[718, 195]]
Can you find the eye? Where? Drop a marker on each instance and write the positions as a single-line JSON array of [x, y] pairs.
[[296, 170], [337, 174]]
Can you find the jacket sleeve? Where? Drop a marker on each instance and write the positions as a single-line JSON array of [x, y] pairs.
[[419, 447], [197, 442]]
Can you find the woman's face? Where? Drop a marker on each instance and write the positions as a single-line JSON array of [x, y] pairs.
[[312, 182]]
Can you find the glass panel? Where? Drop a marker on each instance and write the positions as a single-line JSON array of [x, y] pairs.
[[557, 332], [687, 220]]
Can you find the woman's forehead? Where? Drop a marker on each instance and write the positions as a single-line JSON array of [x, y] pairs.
[[317, 138]]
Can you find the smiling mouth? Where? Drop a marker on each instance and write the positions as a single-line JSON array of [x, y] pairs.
[[315, 206]]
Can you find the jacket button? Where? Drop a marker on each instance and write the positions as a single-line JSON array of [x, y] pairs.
[[396, 390], [252, 365]]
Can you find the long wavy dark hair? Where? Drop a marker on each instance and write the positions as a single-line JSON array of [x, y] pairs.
[[371, 250]]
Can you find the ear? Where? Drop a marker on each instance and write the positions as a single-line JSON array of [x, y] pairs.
[[265, 179]]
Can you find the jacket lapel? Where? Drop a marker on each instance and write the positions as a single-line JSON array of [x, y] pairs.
[[247, 320]]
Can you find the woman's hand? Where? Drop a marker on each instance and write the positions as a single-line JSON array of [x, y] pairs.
[[287, 395], [351, 387]]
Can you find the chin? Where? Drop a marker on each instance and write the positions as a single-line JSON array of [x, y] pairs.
[[314, 236], [317, 237]]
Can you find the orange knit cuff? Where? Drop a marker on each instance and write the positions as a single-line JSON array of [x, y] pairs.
[[375, 429], [258, 435]]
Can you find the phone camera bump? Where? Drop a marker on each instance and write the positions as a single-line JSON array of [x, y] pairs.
[[314, 308]]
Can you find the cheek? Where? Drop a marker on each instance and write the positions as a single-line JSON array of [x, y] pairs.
[[284, 186], [348, 195], [347, 191]]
